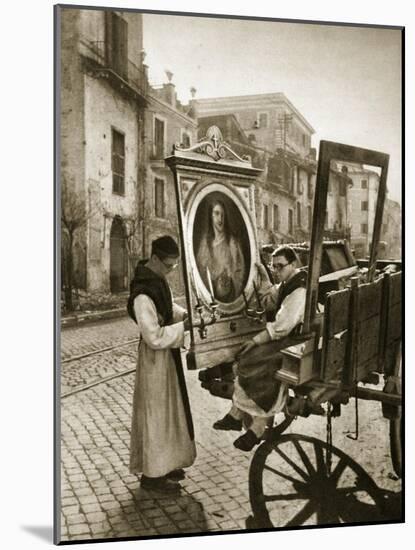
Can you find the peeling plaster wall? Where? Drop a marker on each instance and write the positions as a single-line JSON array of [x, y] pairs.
[[105, 110]]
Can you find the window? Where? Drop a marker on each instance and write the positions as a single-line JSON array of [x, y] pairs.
[[276, 218], [299, 182], [290, 221], [364, 184], [363, 228], [159, 205], [310, 217], [118, 162], [265, 217], [293, 178], [364, 206], [310, 186], [298, 214], [158, 138], [116, 43], [263, 120]]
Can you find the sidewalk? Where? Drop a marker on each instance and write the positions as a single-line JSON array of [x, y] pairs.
[[84, 317], [90, 316]]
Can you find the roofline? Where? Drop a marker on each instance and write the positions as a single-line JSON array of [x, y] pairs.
[[276, 96], [173, 110]]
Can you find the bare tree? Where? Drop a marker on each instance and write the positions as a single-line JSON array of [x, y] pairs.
[[74, 216], [132, 227]]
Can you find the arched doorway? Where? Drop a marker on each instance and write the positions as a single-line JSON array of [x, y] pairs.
[[118, 256]]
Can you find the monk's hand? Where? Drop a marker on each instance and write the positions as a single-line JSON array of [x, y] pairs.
[[245, 348]]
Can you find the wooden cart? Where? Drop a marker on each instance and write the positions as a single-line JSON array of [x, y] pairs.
[[351, 350]]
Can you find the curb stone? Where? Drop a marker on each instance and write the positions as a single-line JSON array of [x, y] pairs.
[[85, 318]]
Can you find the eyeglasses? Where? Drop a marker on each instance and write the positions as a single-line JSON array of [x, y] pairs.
[[169, 266], [280, 267]]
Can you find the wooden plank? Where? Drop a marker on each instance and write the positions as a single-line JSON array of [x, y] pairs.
[[394, 324], [370, 299], [395, 288], [334, 358], [336, 312], [368, 339]]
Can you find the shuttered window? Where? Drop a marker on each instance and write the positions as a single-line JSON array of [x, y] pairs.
[[290, 221], [159, 204], [298, 214], [265, 216], [116, 43], [118, 162], [158, 138], [276, 218]]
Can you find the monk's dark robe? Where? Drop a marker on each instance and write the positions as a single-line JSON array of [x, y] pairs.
[[256, 369]]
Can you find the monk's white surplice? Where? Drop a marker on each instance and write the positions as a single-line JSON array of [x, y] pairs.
[[160, 439]]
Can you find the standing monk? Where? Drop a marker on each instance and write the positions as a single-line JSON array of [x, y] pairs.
[[162, 437]]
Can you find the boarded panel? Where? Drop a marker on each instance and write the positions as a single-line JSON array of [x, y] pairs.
[[336, 314], [370, 298], [395, 288], [394, 323], [368, 339], [334, 358]]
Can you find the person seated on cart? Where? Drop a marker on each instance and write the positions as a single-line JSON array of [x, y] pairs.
[[257, 393]]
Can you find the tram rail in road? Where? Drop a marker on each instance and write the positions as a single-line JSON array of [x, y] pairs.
[[85, 387]]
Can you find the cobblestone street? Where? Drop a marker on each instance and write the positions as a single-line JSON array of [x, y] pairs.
[[101, 499]]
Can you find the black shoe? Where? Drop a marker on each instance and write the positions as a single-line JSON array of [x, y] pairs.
[[176, 475], [228, 422], [160, 485], [247, 441]]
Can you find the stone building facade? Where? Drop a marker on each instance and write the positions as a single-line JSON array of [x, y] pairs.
[[357, 207], [279, 141], [115, 131], [392, 230], [167, 122]]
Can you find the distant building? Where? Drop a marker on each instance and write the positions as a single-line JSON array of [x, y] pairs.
[[359, 210], [337, 223], [167, 122], [392, 230], [278, 139]]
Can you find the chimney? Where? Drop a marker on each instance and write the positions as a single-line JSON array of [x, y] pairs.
[[169, 90]]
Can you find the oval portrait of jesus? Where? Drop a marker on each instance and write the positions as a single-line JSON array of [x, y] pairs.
[[221, 246]]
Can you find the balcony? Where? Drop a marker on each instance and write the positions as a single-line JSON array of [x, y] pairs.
[[103, 61]]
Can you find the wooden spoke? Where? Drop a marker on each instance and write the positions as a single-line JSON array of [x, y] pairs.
[[338, 470], [281, 474], [303, 515], [303, 455], [315, 493], [292, 464], [291, 496]]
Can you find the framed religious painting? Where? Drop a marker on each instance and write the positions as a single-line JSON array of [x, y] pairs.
[[229, 291]]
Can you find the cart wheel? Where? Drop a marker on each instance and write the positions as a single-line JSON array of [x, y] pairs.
[[395, 438], [289, 485], [395, 424]]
